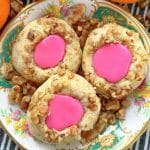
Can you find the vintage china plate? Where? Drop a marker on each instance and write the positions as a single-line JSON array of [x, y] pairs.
[[120, 136]]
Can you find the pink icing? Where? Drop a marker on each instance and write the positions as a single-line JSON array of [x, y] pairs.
[[49, 52], [112, 62], [64, 111]]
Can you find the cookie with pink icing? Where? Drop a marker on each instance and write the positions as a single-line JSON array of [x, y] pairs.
[[63, 107], [44, 46], [114, 60]]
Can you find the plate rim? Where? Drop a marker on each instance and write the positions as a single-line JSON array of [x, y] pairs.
[[147, 123]]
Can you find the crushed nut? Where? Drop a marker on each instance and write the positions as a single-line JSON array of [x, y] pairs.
[[77, 13], [24, 105], [62, 135], [73, 130], [82, 41], [25, 90], [88, 135], [84, 27], [35, 119], [129, 33], [103, 102], [18, 97], [22, 89], [11, 96], [121, 113], [17, 88], [80, 28], [93, 21], [30, 36], [101, 125], [71, 75], [31, 89], [7, 71], [61, 71], [111, 119], [18, 80], [92, 106], [125, 103], [42, 109], [26, 99], [113, 105]]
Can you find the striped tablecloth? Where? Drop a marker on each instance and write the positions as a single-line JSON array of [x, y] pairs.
[[144, 141]]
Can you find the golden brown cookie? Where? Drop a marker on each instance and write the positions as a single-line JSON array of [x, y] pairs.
[[67, 84], [25, 46], [100, 61]]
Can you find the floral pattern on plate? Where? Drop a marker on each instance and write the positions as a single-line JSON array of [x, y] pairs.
[[17, 119]]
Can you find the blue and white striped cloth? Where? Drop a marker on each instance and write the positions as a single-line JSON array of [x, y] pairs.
[[142, 144], [144, 141]]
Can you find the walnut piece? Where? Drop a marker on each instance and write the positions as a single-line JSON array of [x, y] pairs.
[[77, 13], [113, 105], [101, 125], [30, 36], [125, 103], [111, 119], [18, 80], [121, 114]]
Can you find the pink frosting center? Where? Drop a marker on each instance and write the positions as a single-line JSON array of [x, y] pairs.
[[64, 111], [49, 52], [112, 62]]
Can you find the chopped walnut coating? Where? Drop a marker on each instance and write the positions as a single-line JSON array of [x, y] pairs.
[[77, 13], [113, 105], [125, 103], [7, 71], [13, 93], [18, 80], [111, 119], [84, 27], [22, 89], [31, 36], [88, 135], [101, 125], [92, 106], [110, 111], [121, 114]]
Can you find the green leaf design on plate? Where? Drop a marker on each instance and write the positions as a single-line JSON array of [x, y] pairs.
[[23, 134], [6, 50], [3, 113], [110, 139], [23, 116], [105, 12], [4, 82], [96, 146], [6, 45]]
